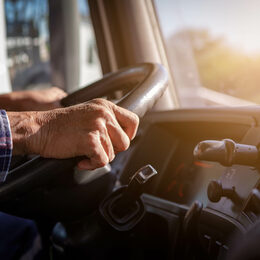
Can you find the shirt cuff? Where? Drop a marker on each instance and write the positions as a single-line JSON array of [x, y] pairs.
[[6, 145]]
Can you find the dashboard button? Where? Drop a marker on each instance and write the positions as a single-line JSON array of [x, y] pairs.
[[216, 191], [255, 201]]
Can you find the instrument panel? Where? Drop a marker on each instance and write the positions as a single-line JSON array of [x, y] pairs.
[[188, 181], [168, 147], [181, 179], [167, 140]]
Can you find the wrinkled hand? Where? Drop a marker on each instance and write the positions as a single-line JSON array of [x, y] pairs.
[[32, 100], [97, 129]]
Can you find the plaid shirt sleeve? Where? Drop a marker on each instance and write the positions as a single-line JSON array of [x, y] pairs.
[[6, 145]]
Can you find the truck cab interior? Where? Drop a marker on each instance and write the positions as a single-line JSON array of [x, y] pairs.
[[188, 186]]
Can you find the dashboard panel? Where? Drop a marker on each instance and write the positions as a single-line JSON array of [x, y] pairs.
[[166, 141]]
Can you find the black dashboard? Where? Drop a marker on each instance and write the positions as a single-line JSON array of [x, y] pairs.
[[166, 140], [181, 178], [174, 216]]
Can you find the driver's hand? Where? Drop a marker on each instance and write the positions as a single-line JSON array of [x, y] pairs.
[[97, 129], [32, 100]]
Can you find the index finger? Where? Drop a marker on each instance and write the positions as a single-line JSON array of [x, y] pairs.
[[127, 120]]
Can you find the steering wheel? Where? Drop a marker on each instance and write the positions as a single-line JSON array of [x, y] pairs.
[[46, 187]]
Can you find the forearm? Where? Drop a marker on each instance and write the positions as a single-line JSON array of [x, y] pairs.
[[24, 126], [32, 100], [14, 101], [7, 102], [16, 131]]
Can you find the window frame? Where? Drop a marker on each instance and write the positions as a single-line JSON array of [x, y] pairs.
[[127, 32]]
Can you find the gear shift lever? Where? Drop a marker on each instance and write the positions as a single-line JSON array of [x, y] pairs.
[[137, 183], [123, 209]]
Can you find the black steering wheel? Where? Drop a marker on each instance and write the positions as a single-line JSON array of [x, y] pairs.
[[45, 187]]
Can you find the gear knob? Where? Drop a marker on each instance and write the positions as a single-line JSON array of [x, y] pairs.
[[137, 184], [123, 208]]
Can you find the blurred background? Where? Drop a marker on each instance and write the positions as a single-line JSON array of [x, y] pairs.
[[213, 45], [28, 44], [213, 48]]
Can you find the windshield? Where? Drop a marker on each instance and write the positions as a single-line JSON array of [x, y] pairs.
[[213, 48]]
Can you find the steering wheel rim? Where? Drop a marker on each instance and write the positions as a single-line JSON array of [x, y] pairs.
[[151, 78], [151, 83]]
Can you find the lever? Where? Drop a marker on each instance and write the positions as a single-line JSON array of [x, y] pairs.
[[123, 209], [216, 191], [191, 234], [127, 202], [137, 184], [226, 152]]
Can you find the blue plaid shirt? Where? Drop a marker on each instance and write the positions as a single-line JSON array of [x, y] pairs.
[[6, 145], [19, 237]]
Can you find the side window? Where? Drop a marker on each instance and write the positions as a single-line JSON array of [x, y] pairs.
[[213, 49], [90, 69], [28, 44]]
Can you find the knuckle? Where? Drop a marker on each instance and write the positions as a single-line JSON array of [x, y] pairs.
[[101, 111], [97, 100], [92, 139], [98, 126], [112, 157], [111, 154], [99, 158], [136, 120], [106, 104], [102, 101], [101, 162], [124, 144]]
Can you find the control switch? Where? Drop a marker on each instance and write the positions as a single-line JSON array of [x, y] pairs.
[[216, 192], [227, 152]]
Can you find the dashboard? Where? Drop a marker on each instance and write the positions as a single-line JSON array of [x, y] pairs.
[[168, 143], [166, 140], [181, 179]]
